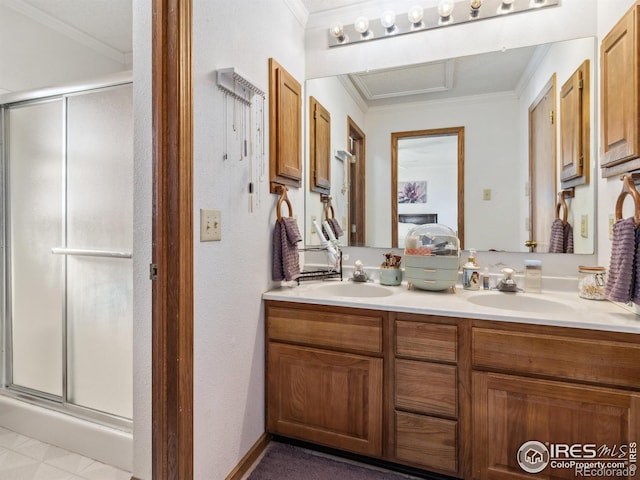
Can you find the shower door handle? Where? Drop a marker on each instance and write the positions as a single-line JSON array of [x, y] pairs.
[[91, 253]]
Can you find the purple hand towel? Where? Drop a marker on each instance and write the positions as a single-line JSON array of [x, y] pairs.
[[335, 226], [621, 267], [286, 262], [567, 238], [636, 263], [556, 242]]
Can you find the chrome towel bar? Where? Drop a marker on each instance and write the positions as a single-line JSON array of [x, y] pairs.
[[91, 253]]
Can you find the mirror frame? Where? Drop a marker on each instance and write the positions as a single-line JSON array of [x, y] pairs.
[[395, 136]]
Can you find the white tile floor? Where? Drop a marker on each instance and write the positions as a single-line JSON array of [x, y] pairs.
[[23, 458]]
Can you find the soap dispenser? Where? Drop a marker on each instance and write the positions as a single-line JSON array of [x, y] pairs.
[[471, 273]]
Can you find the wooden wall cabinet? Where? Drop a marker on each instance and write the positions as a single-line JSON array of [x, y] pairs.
[[620, 81], [319, 147], [285, 127], [575, 128]]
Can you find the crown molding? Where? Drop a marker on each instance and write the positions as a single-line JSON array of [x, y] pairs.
[[299, 11]]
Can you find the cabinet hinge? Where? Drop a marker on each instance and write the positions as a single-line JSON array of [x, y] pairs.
[[581, 84], [580, 161], [153, 271], [552, 117]]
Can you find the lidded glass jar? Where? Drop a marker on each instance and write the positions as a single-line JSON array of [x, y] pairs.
[[591, 282]]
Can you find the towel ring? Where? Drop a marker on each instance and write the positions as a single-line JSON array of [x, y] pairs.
[[326, 199], [283, 198], [629, 188], [563, 203]]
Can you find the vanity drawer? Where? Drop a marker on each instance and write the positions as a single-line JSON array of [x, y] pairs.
[[426, 441], [589, 360], [426, 388], [426, 341], [330, 329]]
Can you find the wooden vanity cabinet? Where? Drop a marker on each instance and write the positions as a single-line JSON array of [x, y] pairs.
[[551, 385], [620, 100], [325, 376]]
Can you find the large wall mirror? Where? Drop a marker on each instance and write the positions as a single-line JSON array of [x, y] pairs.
[[488, 95]]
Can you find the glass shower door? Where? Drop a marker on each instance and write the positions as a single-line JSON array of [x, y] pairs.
[[70, 170], [99, 218], [35, 217]]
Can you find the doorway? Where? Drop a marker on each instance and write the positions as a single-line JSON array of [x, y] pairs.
[[357, 186], [69, 233], [542, 167]]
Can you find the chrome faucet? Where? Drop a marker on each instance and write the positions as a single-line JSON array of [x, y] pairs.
[[507, 282]]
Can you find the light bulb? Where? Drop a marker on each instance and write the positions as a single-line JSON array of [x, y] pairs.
[[445, 7], [361, 25], [337, 30], [476, 4], [388, 20], [415, 15]]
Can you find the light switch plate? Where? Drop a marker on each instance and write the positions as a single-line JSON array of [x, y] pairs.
[[486, 194], [584, 226], [210, 225]]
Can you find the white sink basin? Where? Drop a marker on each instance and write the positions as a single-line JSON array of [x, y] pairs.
[[351, 289], [519, 302]]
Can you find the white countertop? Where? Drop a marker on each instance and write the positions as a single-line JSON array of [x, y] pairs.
[[572, 310]]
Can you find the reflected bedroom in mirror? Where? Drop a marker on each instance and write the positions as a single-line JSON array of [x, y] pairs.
[[498, 146]]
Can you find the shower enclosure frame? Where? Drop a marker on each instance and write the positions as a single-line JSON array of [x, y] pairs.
[[7, 388]]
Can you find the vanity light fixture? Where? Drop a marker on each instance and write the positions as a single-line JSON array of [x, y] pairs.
[[388, 21], [361, 26], [475, 7], [420, 19], [415, 16], [445, 8], [337, 31]]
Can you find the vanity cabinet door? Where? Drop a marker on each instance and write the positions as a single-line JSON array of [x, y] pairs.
[[325, 397], [620, 81], [509, 411]]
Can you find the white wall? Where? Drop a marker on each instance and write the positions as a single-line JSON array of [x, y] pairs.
[[485, 119], [33, 55], [230, 275]]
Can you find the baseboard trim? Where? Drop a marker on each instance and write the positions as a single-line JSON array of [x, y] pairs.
[[250, 457]]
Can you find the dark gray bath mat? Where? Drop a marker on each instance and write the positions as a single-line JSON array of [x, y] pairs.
[[287, 462]]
